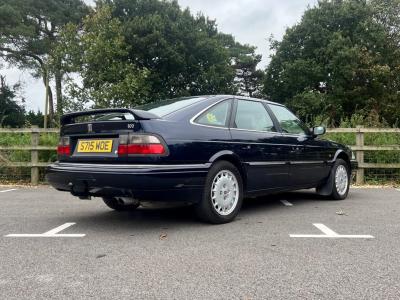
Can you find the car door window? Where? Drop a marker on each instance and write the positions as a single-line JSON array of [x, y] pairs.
[[252, 115], [288, 121], [215, 116]]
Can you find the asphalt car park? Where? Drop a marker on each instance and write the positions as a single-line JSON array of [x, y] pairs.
[[276, 248]]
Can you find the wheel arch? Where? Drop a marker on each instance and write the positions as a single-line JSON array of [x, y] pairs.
[[233, 159], [327, 188], [342, 155]]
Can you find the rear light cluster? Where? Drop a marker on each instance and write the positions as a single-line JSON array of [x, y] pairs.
[[138, 144], [63, 148]]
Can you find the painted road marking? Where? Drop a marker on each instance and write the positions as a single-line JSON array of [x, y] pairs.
[[398, 190], [10, 190], [329, 233], [286, 203], [51, 233]]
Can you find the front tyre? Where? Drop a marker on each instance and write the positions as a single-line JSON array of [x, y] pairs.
[[223, 194], [121, 204], [341, 180]]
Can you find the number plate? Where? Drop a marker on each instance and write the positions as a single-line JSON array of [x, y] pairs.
[[95, 146]]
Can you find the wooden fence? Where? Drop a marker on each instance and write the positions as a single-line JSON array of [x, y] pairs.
[[34, 148], [359, 149]]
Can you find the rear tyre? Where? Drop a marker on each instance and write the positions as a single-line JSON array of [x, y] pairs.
[[223, 194], [341, 180], [121, 204]]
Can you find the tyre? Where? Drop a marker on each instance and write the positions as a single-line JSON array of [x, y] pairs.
[[223, 194], [341, 180], [121, 204]]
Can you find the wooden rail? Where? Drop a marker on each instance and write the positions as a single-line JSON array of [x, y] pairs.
[[359, 149], [34, 148]]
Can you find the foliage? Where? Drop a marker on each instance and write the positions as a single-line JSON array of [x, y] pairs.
[[248, 78], [34, 118], [339, 64], [340, 59], [98, 53], [29, 33], [11, 112], [185, 54], [133, 52]]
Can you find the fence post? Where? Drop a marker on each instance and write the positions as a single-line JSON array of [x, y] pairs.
[[360, 155], [34, 155]]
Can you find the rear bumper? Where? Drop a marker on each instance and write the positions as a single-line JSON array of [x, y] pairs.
[[143, 182]]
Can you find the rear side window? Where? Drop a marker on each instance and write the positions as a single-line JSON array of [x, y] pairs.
[[288, 121], [217, 115], [252, 115]]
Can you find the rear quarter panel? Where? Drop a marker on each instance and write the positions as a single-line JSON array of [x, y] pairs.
[[189, 143]]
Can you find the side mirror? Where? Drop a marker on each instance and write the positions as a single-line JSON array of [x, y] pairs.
[[320, 130]]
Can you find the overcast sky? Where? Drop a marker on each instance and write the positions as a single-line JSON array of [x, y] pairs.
[[250, 21]]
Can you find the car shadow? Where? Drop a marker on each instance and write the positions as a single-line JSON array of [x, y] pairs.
[[272, 202], [163, 217], [297, 197], [141, 219]]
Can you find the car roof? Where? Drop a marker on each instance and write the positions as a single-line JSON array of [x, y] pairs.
[[257, 99], [224, 96], [217, 98]]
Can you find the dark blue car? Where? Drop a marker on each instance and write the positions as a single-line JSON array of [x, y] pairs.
[[211, 151]]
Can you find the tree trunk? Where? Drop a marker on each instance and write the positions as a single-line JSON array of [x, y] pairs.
[[51, 108], [51, 104], [58, 79]]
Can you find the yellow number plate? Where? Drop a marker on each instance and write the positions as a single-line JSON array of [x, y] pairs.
[[95, 146]]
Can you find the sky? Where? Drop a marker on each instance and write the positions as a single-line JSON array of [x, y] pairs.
[[249, 21]]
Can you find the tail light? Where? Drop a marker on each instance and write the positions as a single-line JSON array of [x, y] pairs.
[[63, 148], [138, 144]]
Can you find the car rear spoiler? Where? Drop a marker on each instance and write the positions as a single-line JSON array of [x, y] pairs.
[[136, 113]]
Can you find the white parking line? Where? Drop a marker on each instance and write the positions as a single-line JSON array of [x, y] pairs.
[[51, 233], [329, 233], [286, 203], [10, 190], [325, 229]]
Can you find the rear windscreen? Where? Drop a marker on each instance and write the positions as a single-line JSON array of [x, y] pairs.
[[166, 107], [104, 117]]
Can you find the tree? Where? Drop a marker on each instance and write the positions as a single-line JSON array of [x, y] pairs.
[[185, 55], [11, 112], [98, 53], [29, 31], [248, 78], [133, 52], [34, 118], [338, 60], [387, 14]]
